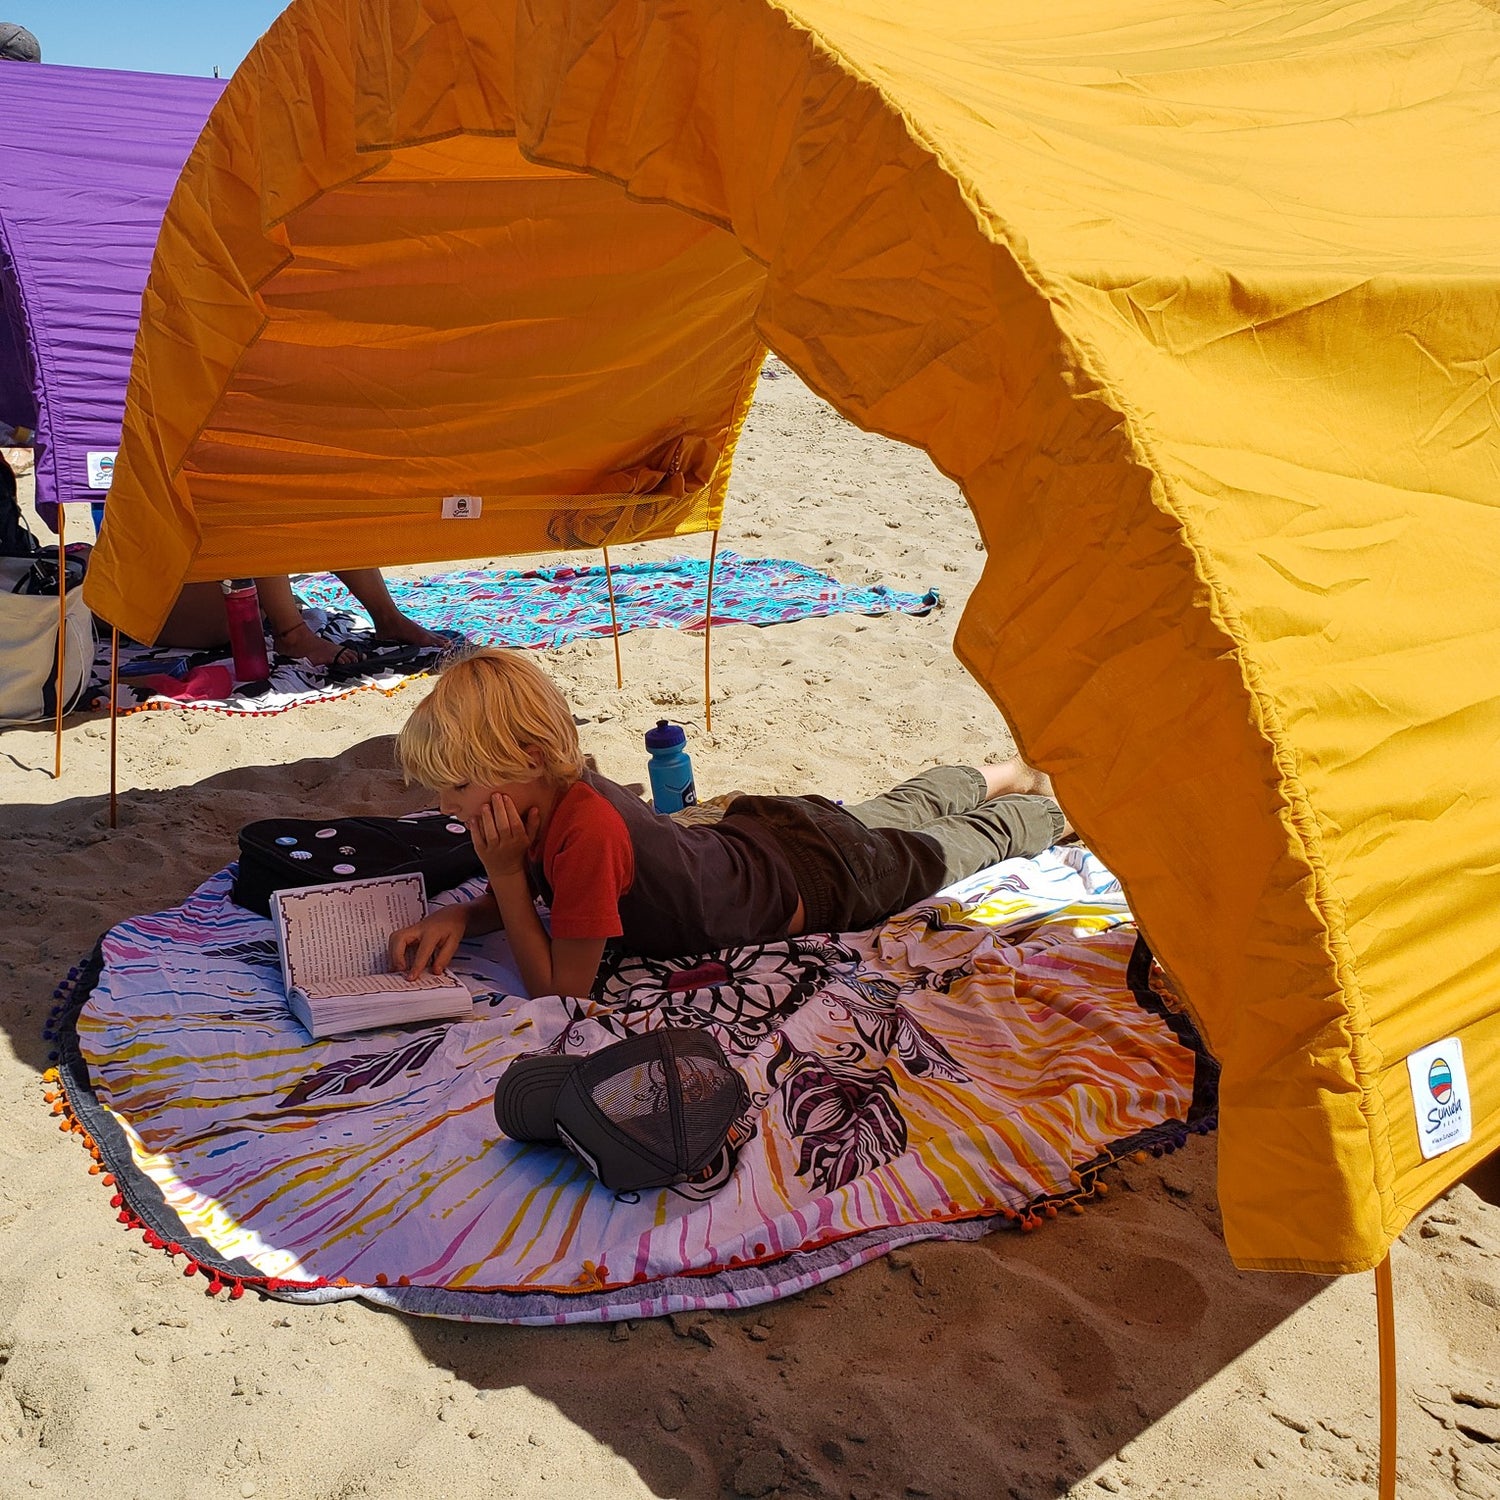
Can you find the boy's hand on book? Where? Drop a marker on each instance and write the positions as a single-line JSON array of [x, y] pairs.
[[428, 946], [502, 835]]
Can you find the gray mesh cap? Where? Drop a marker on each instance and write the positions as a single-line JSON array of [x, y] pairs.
[[647, 1112]]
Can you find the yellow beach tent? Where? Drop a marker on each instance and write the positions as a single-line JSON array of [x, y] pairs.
[[1199, 303]]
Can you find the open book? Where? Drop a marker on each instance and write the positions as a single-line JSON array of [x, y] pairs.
[[335, 956]]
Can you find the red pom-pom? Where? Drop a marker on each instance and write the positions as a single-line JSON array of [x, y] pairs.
[[380, 1279], [190, 1269], [237, 1291]]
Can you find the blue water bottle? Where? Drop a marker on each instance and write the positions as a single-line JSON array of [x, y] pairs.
[[670, 769]]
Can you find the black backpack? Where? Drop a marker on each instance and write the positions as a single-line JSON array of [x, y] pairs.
[[16, 539], [278, 854], [42, 579]]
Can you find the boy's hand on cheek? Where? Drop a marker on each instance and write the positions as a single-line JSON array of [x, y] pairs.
[[502, 835]]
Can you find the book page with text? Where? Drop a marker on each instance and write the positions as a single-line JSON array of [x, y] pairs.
[[332, 932]]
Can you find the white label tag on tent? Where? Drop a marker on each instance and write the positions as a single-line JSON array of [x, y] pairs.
[[462, 507], [101, 469], [1440, 1091]]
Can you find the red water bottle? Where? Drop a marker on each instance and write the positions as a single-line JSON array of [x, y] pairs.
[[247, 636]]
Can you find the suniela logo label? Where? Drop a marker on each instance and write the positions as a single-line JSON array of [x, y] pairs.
[[1440, 1091], [101, 470]]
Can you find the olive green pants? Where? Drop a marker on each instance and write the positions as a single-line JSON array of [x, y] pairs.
[[855, 865]]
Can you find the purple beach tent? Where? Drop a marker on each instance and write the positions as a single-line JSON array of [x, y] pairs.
[[88, 160]]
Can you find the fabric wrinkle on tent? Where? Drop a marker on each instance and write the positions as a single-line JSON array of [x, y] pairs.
[[1197, 303], [88, 161]]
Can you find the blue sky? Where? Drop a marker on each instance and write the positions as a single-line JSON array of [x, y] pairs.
[[145, 36]]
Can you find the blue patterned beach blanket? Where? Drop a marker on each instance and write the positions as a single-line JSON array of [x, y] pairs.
[[547, 607], [539, 608]]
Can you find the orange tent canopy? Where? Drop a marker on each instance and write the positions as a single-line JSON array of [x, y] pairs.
[[1198, 305]]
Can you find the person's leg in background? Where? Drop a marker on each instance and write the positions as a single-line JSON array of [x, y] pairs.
[[368, 586], [290, 633], [197, 621], [294, 637]]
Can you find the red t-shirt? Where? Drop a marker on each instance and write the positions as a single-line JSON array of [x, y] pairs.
[[587, 865], [611, 868]]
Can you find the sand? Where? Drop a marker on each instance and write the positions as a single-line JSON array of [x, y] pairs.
[[1114, 1353]]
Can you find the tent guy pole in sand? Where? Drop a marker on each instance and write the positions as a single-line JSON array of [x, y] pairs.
[[614, 619], [114, 724], [1385, 1318], [708, 633], [62, 636]]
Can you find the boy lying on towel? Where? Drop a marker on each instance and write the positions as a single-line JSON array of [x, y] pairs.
[[495, 739]]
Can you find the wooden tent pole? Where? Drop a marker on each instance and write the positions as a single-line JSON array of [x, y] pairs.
[[1385, 1318], [62, 636], [614, 619], [114, 724], [708, 635]]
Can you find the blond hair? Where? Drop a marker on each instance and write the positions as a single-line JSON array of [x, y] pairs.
[[493, 716]]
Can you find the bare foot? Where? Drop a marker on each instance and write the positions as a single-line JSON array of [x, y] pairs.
[[398, 627], [1014, 778], [302, 643]]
